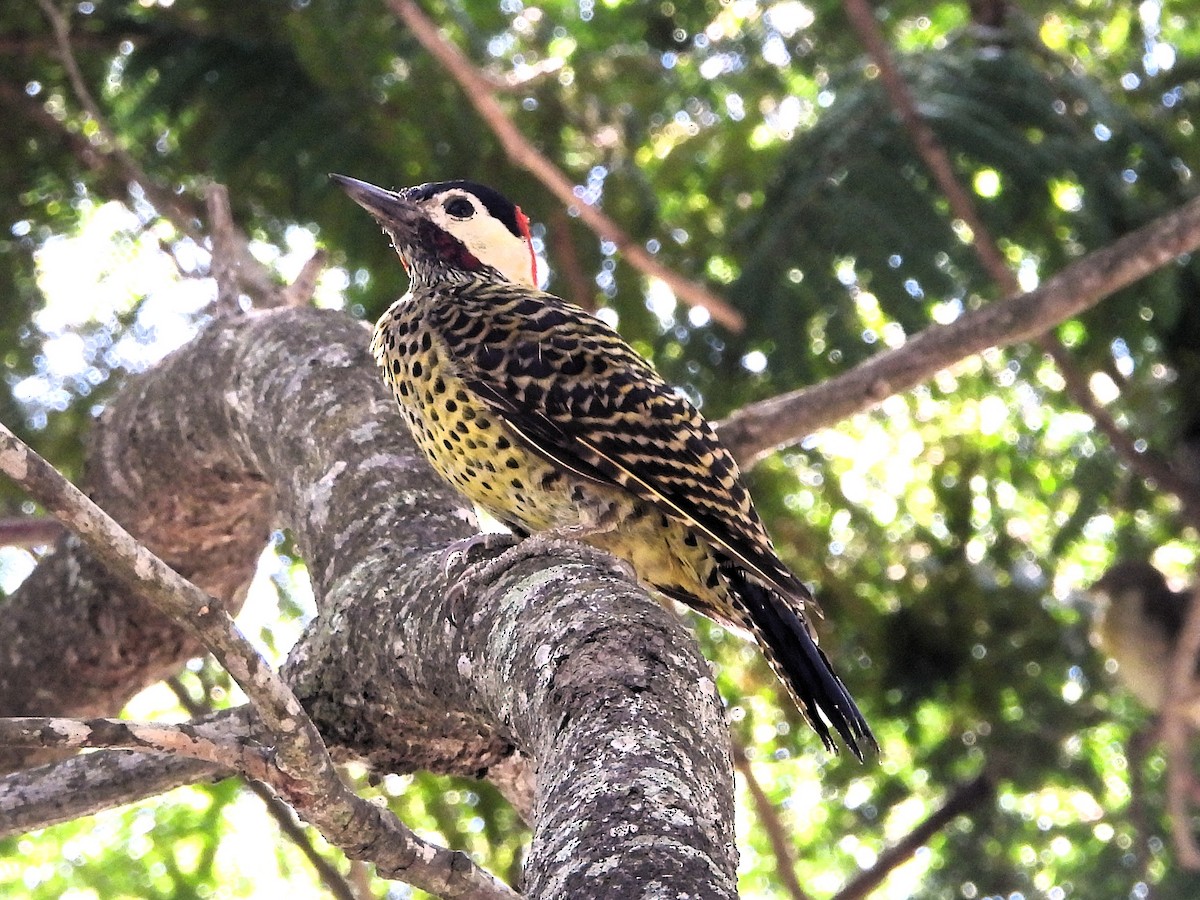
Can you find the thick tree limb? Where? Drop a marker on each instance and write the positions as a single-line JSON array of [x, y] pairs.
[[756, 430], [579, 671], [482, 95], [592, 680], [301, 767]]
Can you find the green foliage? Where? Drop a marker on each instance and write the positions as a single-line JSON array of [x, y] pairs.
[[750, 146]]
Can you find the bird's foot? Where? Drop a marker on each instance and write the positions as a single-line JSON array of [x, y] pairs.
[[463, 548], [542, 544]]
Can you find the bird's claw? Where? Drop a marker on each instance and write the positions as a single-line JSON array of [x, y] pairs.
[[527, 548], [488, 540]]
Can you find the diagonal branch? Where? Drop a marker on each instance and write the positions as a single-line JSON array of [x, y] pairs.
[[928, 148], [89, 783], [964, 798], [963, 207], [768, 818], [305, 772], [162, 198], [482, 94], [278, 810], [1148, 463], [755, 430]]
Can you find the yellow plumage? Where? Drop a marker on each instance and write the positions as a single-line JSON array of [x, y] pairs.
[[544, 416]]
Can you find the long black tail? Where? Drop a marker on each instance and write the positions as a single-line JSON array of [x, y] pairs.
[[800, 664]]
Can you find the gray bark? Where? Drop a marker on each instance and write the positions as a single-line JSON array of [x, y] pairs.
[[279, 417]]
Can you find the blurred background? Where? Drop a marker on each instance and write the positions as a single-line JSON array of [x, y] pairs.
[[950, 534]]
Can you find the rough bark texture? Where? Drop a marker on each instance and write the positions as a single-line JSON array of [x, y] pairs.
[[574, 666], [279, 417]]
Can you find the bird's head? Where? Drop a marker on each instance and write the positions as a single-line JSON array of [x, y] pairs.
[[451, 226]]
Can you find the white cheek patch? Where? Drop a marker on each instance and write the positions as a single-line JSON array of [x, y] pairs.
[[491, 243]]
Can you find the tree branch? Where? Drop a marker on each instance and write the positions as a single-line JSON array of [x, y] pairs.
[[756, 430], [1176, 734], [234, 267], [304, 771], [593, 682], [925, 142], [964, 798], [276, 809], [89, 783], [192, 741], [30, 532], [962, 206], [1146, 463], [304, 285], [482, 95], [768, 818], [579, 288]]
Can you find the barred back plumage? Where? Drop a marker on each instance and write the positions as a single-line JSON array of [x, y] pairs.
[[544, 416]]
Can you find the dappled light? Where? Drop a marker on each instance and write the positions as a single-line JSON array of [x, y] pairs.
[[735, 187]]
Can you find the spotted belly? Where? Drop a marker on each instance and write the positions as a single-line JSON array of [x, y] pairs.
[[488, 463]]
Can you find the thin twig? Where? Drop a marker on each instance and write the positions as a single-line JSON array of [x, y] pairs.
[[162, 198], [936, 160], [224, 265], [360, 877], [520, 150], [523, 78], [277, 809], [1176, 734], [768, 818], [34, 110], [234, 267], [302, 769], [31, 532], [964, 798], [300, 291], [1136, 750], [1147, 463]]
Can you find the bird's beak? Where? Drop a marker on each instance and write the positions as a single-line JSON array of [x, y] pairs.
[[389, 208]]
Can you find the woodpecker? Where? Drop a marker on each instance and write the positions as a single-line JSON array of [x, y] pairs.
[[545, 417], [1138, 620]]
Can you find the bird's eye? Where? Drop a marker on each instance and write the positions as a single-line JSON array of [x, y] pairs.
[[459, 207]]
